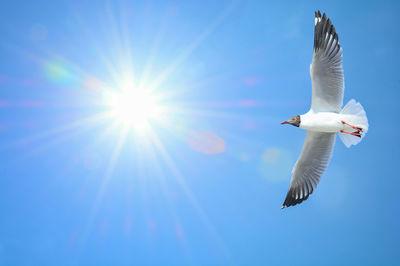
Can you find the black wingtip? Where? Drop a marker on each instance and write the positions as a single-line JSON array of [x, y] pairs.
[[324, 27], [292, 200]]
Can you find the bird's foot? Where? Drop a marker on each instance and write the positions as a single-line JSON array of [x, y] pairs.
[[359, 129], [357, 134]]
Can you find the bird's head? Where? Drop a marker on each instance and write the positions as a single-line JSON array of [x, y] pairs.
[[294, 121]]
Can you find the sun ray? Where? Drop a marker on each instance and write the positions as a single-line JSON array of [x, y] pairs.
[[189, 50], [181, 180], [110, 67], [51, 133], [153, 52], [167, 193], [106, 177]]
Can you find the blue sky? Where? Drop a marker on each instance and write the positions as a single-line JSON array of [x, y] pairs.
[[203, 183]]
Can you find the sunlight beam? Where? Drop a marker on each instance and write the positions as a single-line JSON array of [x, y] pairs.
[[181, 180]]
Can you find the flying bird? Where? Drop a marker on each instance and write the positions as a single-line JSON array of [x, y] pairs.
[[326, 117]]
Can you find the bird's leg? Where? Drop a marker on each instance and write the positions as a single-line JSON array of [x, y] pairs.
[[359, 129], [357, 134]]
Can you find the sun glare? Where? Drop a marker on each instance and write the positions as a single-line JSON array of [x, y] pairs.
[[134, 107]]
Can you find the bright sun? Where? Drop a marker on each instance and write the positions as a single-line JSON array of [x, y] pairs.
[[134, 107]]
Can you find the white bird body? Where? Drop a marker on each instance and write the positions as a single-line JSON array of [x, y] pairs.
[[322, 121], [326, 116]]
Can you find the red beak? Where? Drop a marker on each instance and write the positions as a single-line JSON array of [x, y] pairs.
[[284, 122]]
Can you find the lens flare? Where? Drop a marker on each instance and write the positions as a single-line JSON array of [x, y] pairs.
[[274, 162], [59, 72], [206, 142]]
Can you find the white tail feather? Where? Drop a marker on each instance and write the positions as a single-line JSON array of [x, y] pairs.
[[353, 113]]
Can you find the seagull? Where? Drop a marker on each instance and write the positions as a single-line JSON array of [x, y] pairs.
[[326, 117]]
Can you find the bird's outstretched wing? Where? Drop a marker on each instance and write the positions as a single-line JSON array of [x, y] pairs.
[[326, 69], [310, 166]]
